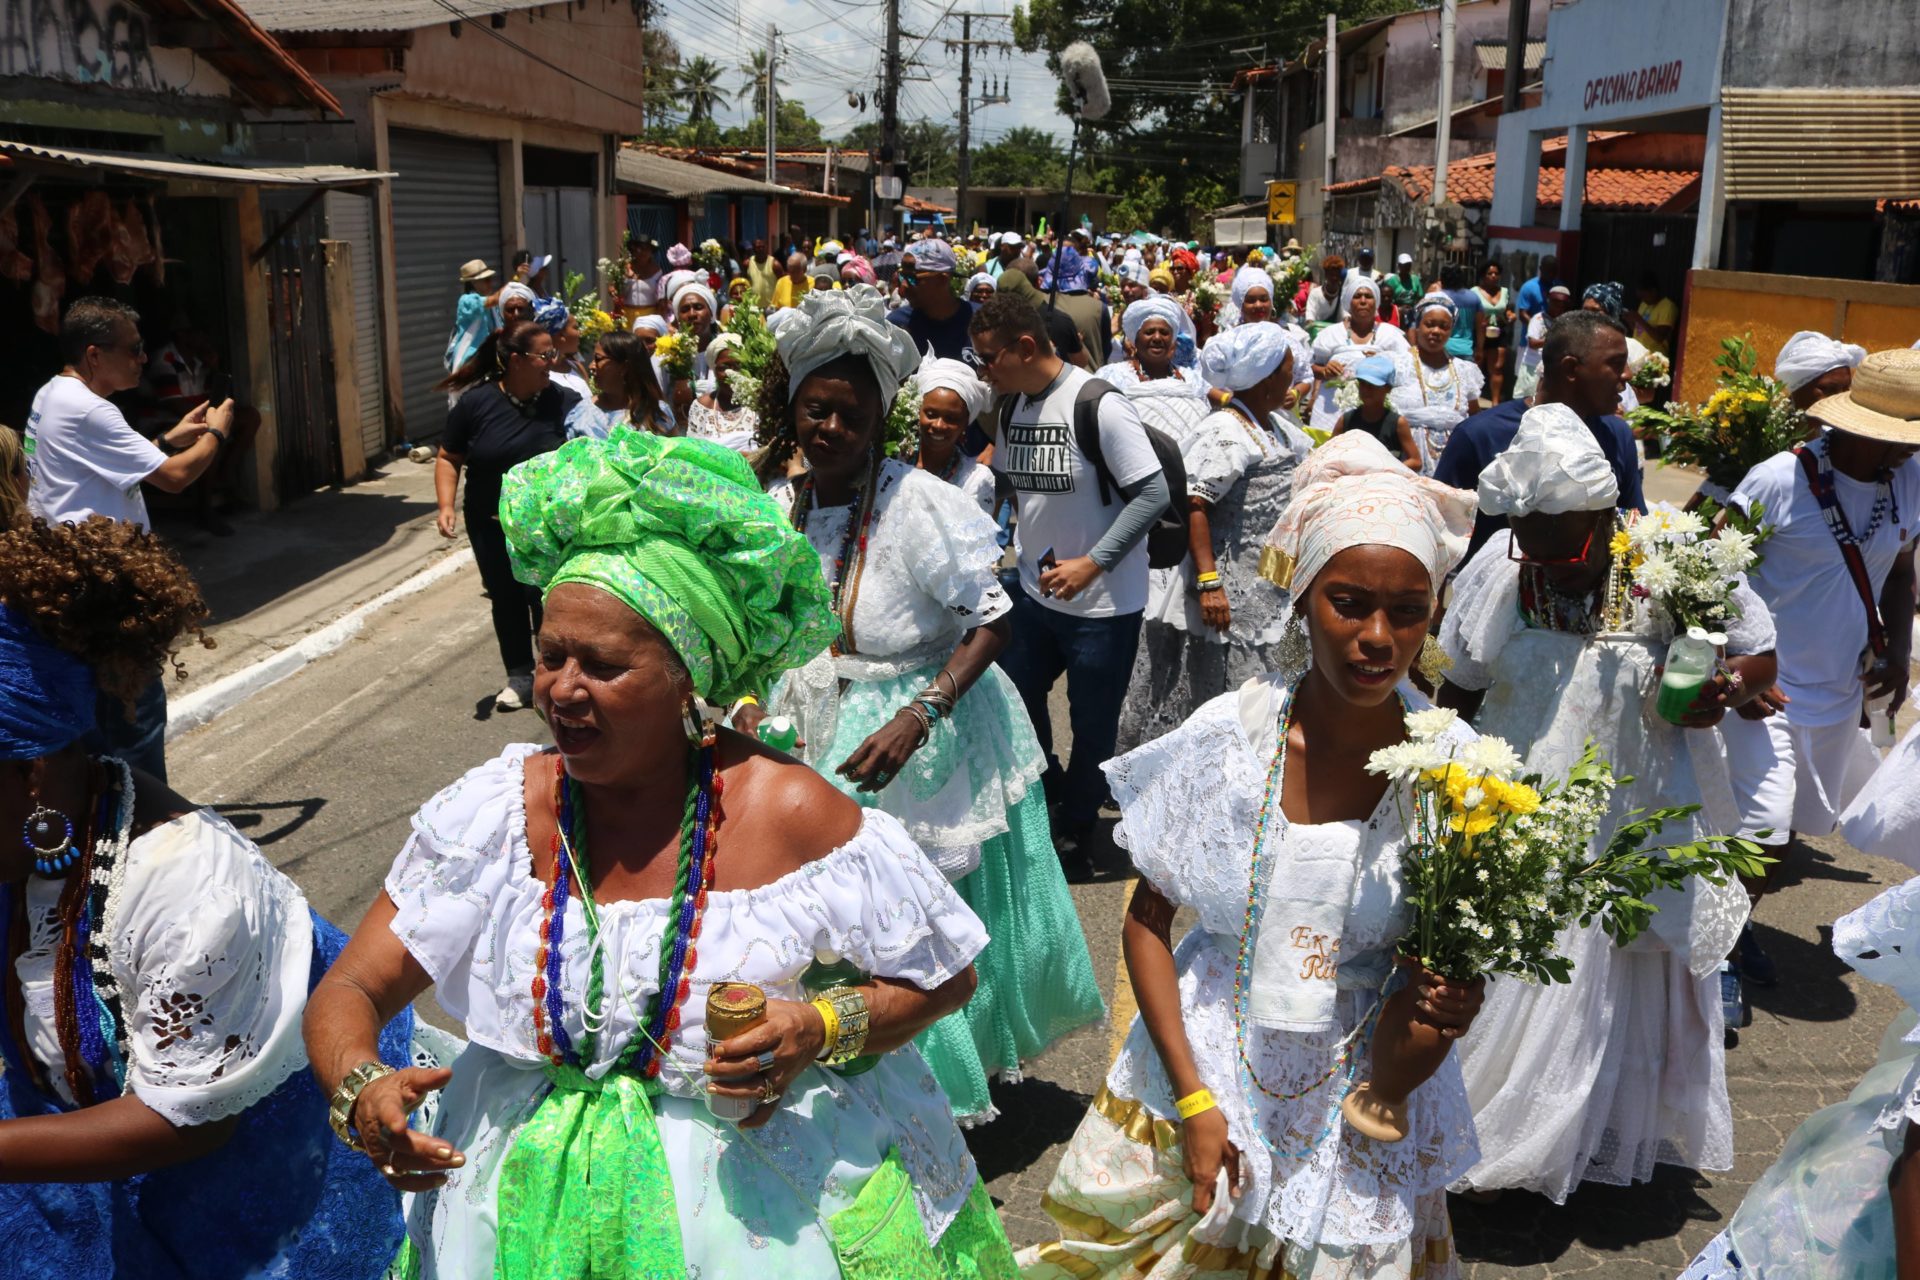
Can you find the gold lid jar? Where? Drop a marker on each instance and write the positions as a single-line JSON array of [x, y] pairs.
[[732, 1007]]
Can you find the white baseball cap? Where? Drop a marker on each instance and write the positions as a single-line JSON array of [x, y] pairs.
[[1011, 237], [1404, 260]]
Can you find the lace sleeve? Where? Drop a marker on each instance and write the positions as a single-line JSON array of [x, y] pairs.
[[881, 903], [1483, 616], [1213, 463], [213, 949], [1470, 377], [1752, 631], [952, 550], [449, 878]]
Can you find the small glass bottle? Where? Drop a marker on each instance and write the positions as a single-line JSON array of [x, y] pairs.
[[825, 973], [733, 1007]]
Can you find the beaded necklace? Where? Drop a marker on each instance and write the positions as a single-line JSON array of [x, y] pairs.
[[89, 1021], [946, 473], [1249, 424], [1883, 503], [686, 910], [1345, 1061], [1605, 607], [853, 548], [1173, 371], [1450, 384]]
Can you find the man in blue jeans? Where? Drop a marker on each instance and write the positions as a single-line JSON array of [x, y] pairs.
[[1082, 554]]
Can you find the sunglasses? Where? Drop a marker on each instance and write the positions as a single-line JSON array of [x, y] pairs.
[[548, 356], [1551, 562], [979, 360]]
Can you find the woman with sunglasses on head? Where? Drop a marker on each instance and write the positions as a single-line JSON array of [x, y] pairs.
[[1552, 648], [509, 410]]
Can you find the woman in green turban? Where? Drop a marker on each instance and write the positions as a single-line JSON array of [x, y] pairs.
[[581, 908]]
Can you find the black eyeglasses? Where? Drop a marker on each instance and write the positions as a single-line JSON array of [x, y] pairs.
[[979, 360]]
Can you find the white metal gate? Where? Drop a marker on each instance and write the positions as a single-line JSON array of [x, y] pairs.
[[350, 218]]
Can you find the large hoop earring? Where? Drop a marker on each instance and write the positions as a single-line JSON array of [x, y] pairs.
[[38, 834], [691, 722]]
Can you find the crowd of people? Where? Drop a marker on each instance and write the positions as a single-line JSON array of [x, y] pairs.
[[790, 562]]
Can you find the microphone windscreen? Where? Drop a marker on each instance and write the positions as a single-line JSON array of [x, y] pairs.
[[1086, 82]]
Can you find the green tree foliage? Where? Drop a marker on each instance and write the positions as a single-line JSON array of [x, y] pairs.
[[792, 127], [1170, 69], [1022, 157], [700, 89], [929, 148], [753, 83]]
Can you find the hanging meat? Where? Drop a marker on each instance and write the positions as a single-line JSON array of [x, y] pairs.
[[49, 275], [131, 248], [159, 249], [14, 265], [89, 234]]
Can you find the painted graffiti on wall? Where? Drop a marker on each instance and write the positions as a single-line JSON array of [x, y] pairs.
[[86, 41]]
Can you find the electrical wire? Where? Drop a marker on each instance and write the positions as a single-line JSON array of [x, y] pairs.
[[487, 28]]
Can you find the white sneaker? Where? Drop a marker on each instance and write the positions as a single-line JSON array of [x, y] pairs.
[[517, 696]]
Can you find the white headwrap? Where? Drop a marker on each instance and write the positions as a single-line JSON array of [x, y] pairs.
[[1155, 306], [1434, 302], [1246, 280], [1355, 283], [778, 320], [830, 323], [1243, 355], [724, 341], [518, 290], [1350, 492], [1554, 465], [1807, 355], [979, 278], [1135, 272], [698, 288], [956, 376], [652, 324]]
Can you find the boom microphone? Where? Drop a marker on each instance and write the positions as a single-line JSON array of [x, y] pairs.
[[1086, 82]]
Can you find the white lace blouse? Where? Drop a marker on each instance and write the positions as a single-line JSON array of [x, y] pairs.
[[1189, 804], [929, 576], [212, 950]]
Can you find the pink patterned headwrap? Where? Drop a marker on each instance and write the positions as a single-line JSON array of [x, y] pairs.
[[1351, 492]]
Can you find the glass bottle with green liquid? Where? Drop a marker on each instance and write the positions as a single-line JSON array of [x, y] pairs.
[[826, 972]]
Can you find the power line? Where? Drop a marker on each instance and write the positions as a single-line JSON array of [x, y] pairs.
[[550, 65]]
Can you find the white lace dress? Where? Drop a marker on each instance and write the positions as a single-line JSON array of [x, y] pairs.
[[1175, 404], [1319, 1199], [734, 428], [1434, 401], [1336, 344], [469, 910], [1625, 1067]]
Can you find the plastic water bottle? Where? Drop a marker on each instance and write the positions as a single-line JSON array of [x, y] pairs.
[[1879, 713], [779, 732], [1690, 663]]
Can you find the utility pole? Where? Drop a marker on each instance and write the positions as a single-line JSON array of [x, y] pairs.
[[773, 106], [1330, 71], [1516, 73], [1443, 125], [890, 108], [966, 44]]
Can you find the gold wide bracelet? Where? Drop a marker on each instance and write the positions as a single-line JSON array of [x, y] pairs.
[[347, 1094], [850, 1036]]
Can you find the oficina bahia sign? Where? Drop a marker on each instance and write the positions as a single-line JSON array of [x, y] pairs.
[[1635, 86]]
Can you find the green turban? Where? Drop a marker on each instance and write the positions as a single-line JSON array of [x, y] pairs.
[[679, 531]]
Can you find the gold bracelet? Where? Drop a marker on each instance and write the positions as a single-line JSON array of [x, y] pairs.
[[851, 1035], [346, 1095], [830, 1027], [1200, 1100]]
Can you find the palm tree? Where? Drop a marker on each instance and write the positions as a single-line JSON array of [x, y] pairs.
[[753, 80], [700, 87], [662, 59]]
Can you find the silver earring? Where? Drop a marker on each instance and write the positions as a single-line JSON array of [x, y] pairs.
[[691, 722]]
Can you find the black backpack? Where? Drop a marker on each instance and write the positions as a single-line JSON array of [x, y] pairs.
[[1167, 538]]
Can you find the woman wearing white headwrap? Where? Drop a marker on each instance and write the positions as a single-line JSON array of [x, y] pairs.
[[1250, 297], [714, 415], [908, 712], [980, 287], [952, 395], [694, 309], [1212, 622], [1157, 330], [1597, 1079], [1813, 366], [1433, 390], [1217, 1145], [1345, 343]]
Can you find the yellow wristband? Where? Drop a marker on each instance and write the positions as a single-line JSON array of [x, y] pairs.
[[1194, 1103], [830, 1017]]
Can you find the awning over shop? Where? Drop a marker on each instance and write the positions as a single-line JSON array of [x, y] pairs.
[[645, 173], [1817, 144], [30, 160]]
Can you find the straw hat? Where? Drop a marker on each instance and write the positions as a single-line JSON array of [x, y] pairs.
[[475, 270], [1884, 403]]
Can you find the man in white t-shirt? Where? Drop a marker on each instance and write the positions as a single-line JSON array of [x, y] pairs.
[[1797, 769], [84, 459], [1081, 546]]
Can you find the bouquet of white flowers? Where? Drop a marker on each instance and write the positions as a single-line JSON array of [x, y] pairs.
[[1497, 863], [1681, 569], [712, 255]]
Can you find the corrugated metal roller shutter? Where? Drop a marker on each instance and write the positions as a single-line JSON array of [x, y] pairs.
[[1814, 144], [350, 218], [446, 209]]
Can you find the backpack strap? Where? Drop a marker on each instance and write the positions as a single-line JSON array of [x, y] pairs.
[[1823, 492], [1086, 433]]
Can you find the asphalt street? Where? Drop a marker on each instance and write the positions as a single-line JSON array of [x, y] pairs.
[[325, 770]]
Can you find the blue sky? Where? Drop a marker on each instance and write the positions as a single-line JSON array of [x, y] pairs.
[[831, 47]]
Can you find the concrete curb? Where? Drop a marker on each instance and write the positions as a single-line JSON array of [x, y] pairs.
[[223, 695]]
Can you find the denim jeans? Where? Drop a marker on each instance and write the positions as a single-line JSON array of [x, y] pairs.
[[142, 741], [1096, 656]]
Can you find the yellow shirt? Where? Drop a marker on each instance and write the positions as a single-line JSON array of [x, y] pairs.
[[786, 295], [1662, 314], [762, 277]]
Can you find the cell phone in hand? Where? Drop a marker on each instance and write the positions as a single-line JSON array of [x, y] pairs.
[[1046, 562]]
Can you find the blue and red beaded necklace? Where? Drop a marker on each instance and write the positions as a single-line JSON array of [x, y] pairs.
[[678, 955]]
